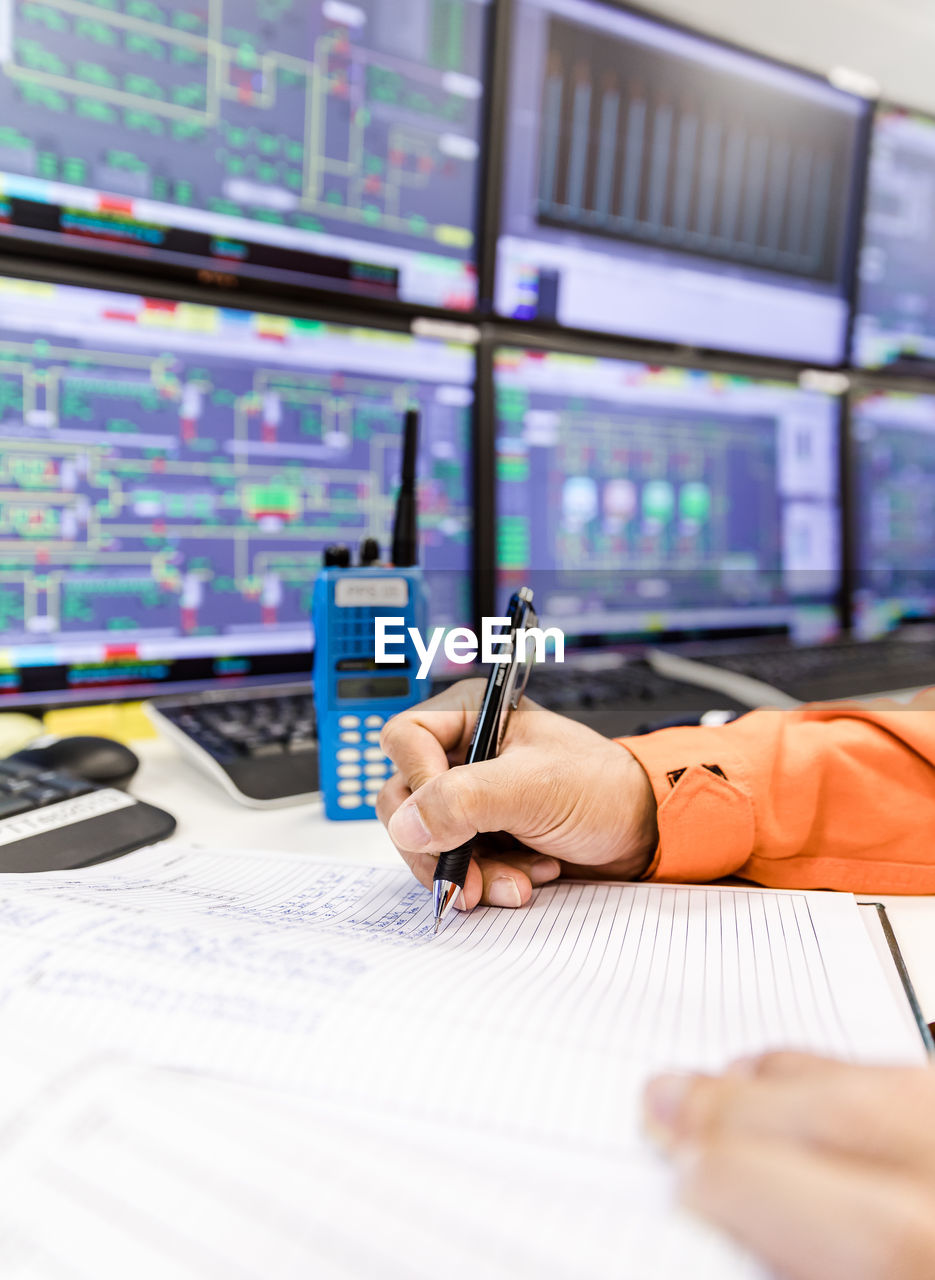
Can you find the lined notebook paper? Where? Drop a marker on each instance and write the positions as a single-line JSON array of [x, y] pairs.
[[375, 1078]]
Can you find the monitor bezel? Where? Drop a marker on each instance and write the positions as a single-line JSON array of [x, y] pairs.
[[496, 155], [286, 668], [497, 335], [229, 285]]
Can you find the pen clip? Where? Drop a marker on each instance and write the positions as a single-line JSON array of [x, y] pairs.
[[523, 616], [530, 619]]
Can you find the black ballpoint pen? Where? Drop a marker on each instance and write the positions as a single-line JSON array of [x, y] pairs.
[[501, 696]]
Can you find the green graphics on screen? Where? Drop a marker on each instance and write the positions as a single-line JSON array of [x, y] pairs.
[[695, 502], [659, 501]]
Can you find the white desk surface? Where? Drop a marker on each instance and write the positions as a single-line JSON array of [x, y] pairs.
[[208, 816]]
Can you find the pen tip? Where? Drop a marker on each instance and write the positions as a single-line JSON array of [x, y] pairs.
[[437, 923]]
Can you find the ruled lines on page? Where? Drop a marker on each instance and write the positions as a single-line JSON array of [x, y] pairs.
[[277, 970], [375, 1076], [553, 1018], [245, 964]]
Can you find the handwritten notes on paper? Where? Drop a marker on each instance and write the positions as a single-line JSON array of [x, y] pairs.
[[361, 1055]]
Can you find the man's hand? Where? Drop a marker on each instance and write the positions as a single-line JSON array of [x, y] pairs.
[[566, 797], [825, 1170]]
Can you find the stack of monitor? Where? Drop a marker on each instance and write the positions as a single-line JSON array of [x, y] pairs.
[[600, 253]]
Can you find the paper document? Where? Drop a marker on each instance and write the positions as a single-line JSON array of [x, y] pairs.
[[472, 1097], [156, 1174]]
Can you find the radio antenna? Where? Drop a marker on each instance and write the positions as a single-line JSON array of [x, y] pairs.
[[405, 526]]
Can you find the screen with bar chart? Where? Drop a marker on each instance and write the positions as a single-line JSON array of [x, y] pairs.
[[660, 185], [170, 473], [895, 322], [323, 142], [893, 478], [641, 500]]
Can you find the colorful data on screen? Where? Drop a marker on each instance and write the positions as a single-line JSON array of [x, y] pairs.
[[171, 474], [645, 500], [893, 485], [322, 142]]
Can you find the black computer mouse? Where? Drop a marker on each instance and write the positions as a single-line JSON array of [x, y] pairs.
[[100, 760]]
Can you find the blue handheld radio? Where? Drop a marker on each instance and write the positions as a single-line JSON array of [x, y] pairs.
[[354, 695]]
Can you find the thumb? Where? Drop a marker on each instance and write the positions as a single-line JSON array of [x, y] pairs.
[[453, 807]]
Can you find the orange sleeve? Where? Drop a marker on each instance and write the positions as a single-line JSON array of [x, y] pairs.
[[829, 796]]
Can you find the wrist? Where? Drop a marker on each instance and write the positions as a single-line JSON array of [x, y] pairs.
[[640, 835]]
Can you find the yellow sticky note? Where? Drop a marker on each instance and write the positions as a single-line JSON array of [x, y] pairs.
[[123, 721]]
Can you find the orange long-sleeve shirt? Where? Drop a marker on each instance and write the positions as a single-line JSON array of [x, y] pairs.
[[829, 796]]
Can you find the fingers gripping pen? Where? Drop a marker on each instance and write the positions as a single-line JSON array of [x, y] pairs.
[[505, 687]]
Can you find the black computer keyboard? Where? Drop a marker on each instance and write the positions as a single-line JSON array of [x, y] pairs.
[[845, 669], [259, 743], [619, 694], [52, 821]]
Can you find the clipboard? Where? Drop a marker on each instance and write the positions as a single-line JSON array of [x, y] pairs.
[[881, 933]]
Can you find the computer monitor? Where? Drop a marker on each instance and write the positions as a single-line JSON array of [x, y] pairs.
[[333, 143], [662, 186], [648, 501], [892, 448], [895, 322], [171, 472]]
